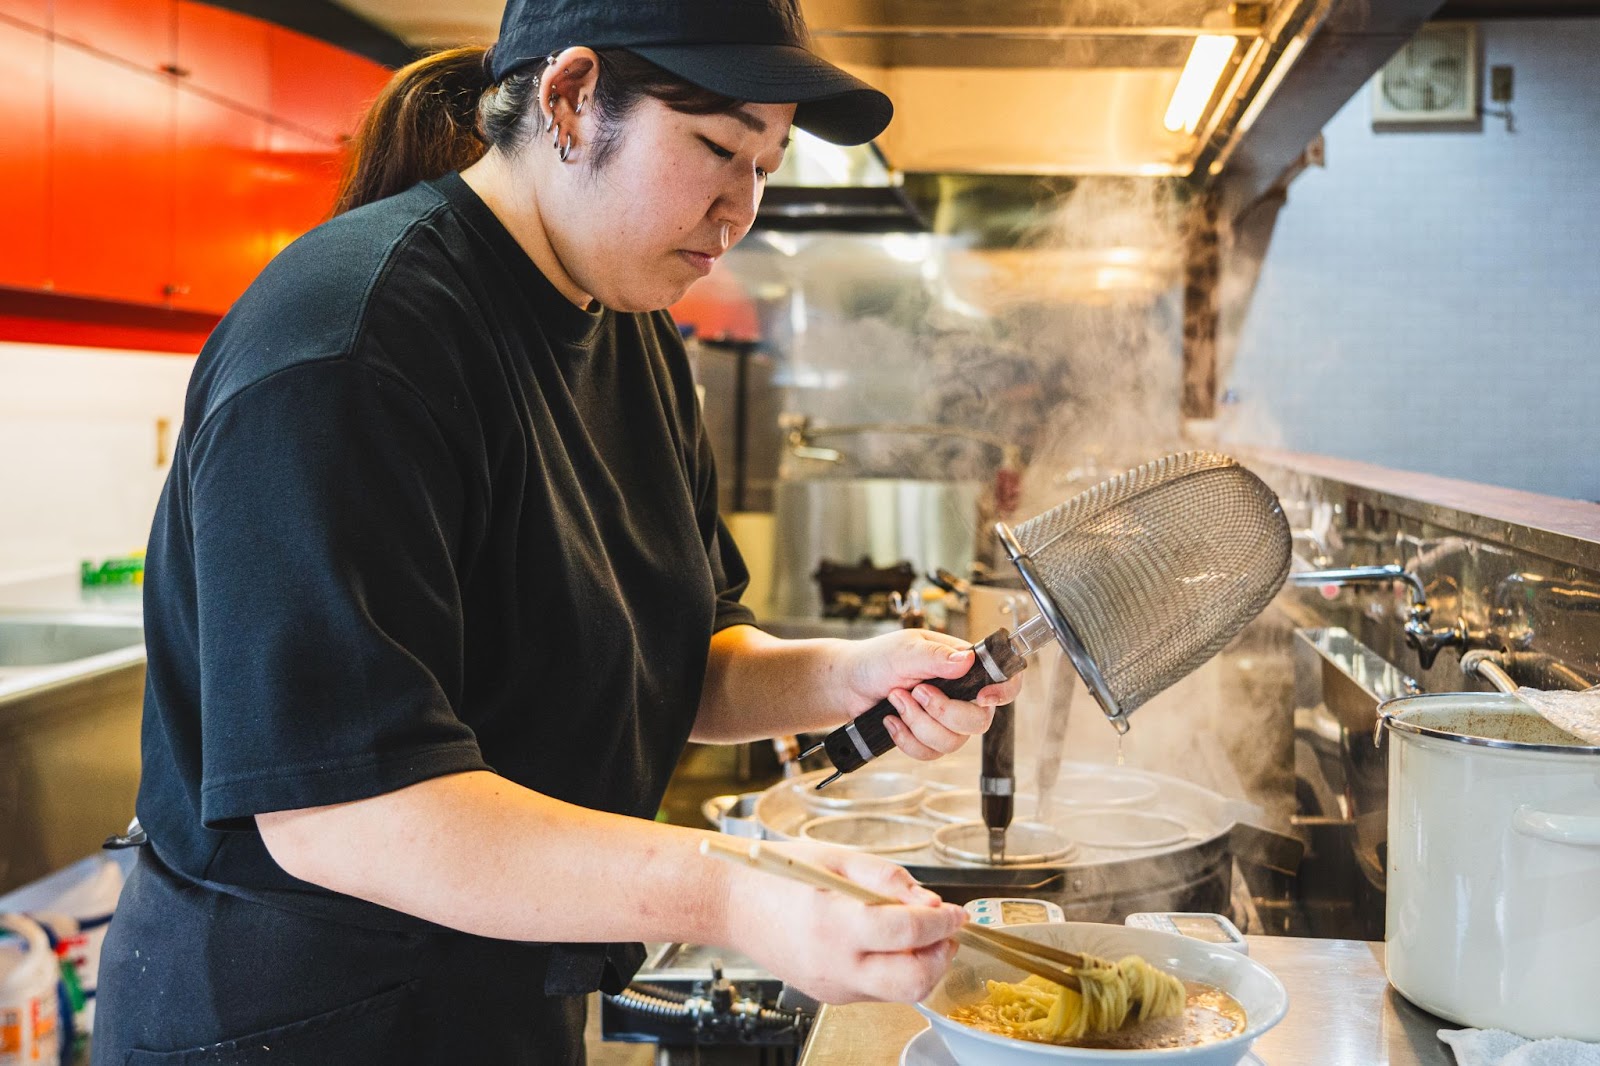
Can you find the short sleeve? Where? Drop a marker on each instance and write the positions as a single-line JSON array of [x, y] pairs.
[[326, 515]]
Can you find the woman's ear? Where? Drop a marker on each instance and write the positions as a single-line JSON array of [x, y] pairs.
[[566, 94]]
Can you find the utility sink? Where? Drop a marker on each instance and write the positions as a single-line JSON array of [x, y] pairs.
[[46, 650], [54, 639], [71, 689]]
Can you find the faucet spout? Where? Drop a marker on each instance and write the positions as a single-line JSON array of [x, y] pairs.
[[1420, 634]]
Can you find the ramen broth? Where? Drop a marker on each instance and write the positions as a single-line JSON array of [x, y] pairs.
[[1209, 1015]]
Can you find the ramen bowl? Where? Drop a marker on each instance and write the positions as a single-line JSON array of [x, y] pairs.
[[1255, 988]]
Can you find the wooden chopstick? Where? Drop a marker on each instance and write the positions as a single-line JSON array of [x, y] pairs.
[[1023, 954]]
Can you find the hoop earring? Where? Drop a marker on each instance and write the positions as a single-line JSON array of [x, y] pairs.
[[579, 109], [565, 149], [555, 135]]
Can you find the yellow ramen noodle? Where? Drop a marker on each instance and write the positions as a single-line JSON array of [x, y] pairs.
[[1037, 1009]]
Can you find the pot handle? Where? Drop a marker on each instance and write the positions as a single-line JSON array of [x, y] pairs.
[[1384, 718], [1558, 827]]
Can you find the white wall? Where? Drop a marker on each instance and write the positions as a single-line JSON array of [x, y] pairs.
[[79, 475], [1431, 301]]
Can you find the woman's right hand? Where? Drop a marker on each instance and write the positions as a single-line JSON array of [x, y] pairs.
[[837, 949]]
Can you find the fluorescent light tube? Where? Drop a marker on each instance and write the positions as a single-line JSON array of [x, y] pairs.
[[1207, 60], [1291, 52]]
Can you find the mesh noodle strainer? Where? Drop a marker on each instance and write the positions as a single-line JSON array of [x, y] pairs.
[[1140, 580]]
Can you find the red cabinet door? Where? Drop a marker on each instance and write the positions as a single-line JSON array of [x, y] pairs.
[[305, 178], [220, 225], [24, 155], [111, 179], [225, 53], [33, 12], [319, 87], [136, 31]]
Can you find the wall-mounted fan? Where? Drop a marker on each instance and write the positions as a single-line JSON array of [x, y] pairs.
[[1433, 79]]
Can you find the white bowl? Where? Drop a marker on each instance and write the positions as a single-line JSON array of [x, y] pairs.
[[1260, 994]]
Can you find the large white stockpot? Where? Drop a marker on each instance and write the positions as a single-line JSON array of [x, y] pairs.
[[1494, 865]]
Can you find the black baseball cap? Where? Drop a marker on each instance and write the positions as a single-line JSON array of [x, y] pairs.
[[750, 50]]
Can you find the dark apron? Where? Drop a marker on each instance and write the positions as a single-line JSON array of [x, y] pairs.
[[191, 975]]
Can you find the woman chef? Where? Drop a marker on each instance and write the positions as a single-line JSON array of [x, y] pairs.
[[439, 591]]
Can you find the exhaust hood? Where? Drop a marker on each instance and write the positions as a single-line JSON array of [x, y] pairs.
[[1145, 88], [1214, 94]]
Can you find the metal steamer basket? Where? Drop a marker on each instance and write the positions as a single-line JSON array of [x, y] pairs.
[[1100, 878]]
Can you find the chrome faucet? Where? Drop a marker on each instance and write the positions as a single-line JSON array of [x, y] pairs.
[[1427, 641]]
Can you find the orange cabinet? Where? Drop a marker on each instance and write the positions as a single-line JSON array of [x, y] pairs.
[[319, 87], [158, 153], [24, 155], [224, 53], [220, 229], [33, 12], [110, 213], [135, 31], [304, 177]]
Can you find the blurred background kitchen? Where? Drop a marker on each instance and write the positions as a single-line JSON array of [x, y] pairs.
[[1351, 242]]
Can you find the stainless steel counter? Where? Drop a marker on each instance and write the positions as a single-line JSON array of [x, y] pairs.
[[1342, 1012]]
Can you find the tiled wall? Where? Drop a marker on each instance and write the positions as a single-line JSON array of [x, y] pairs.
[[80, 451], [1431, 301]]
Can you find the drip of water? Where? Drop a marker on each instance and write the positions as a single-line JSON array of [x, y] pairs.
[[1120, 759]]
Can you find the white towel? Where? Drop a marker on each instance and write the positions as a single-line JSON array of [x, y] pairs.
[[1495, 1047]]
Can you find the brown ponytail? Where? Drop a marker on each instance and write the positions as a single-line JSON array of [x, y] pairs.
[[422, 126]]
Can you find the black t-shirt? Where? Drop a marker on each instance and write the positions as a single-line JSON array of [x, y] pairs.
[[425, 516]]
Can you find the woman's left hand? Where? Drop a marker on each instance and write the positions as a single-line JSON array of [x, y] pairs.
[[930, 724]]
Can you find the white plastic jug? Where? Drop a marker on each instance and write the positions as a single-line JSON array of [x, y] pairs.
[[30, 1034], [85, 892]]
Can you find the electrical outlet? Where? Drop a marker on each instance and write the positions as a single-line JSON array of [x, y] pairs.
[[1500, 84]]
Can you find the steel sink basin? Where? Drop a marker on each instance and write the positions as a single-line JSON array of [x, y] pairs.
[[55, 639], [44, 650], [71, 691]]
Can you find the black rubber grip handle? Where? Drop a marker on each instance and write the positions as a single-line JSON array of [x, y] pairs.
[[845, 745], [998, 773]]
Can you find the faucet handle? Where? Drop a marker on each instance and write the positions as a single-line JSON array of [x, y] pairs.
[[1425, 640]]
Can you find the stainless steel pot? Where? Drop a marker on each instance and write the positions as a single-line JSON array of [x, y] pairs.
[[1103, 884], [1493, 910], [926, 523]]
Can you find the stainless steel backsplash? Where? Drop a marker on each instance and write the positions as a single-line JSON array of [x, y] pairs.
[[1530, 594]]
